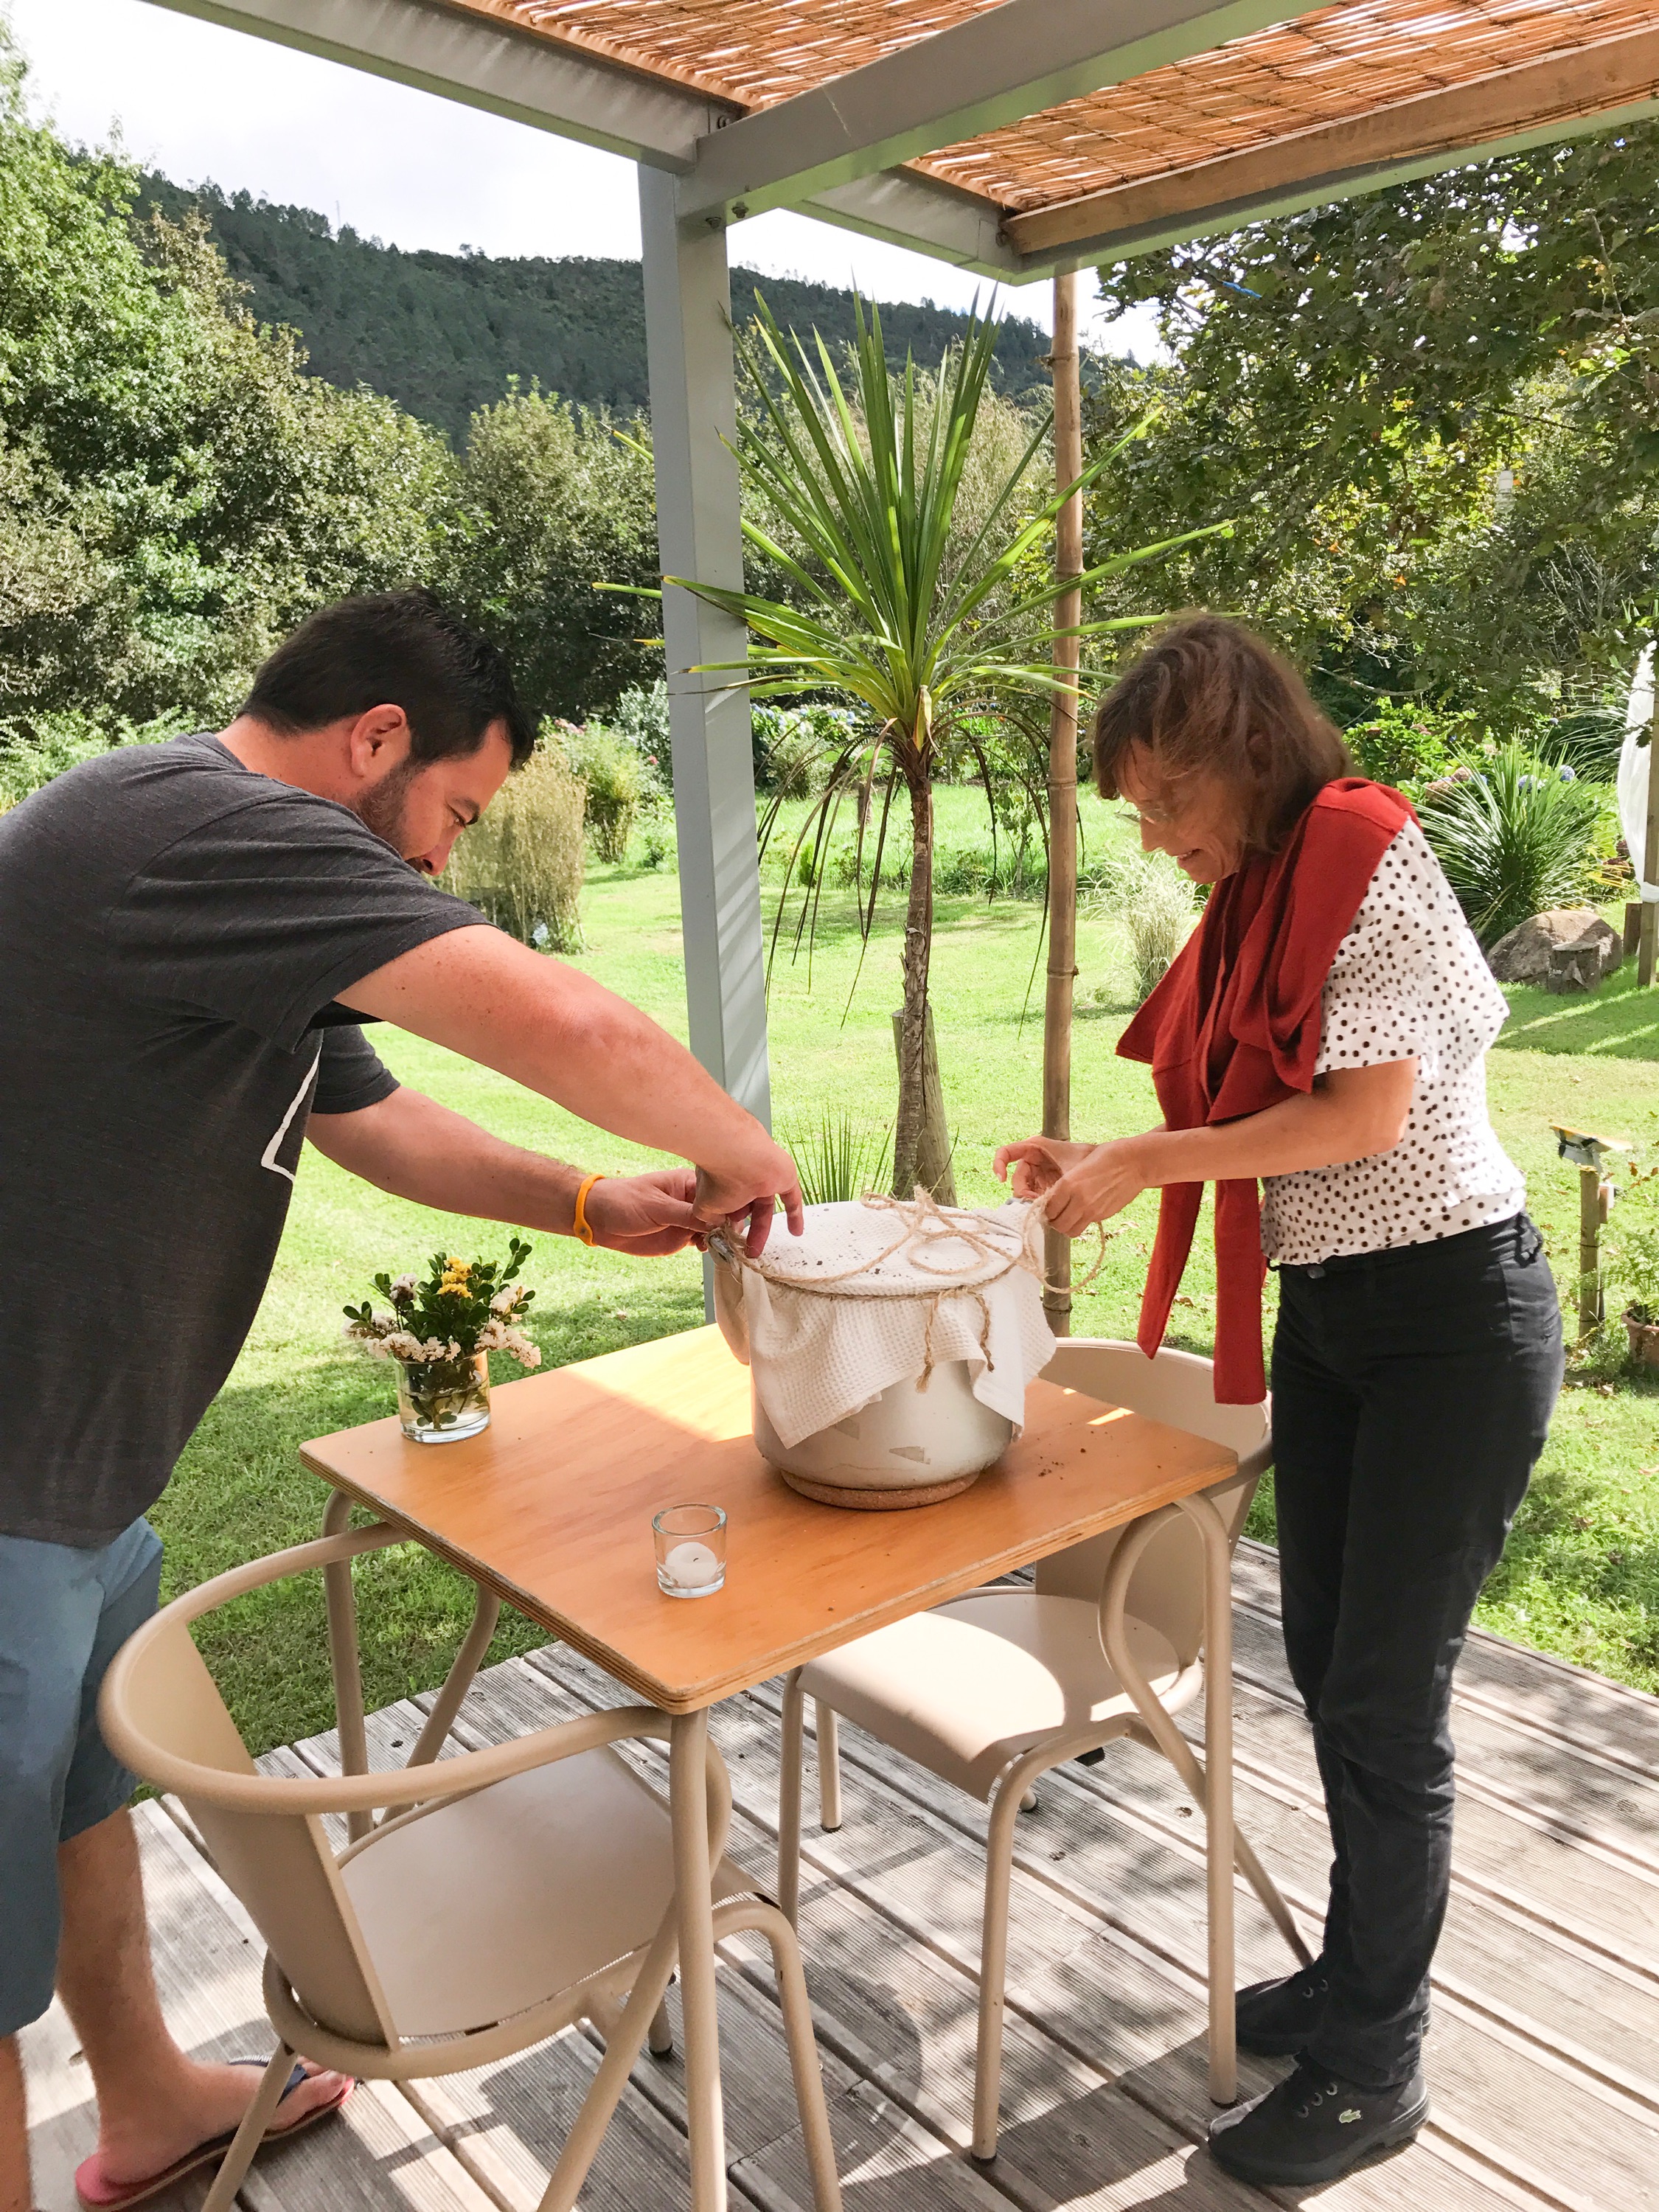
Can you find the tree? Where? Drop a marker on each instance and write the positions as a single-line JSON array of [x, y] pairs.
[[175, 491], [891, 608], [1433, 411], [553, 499]]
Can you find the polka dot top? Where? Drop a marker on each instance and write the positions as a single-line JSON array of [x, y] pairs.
[[1408, 980]]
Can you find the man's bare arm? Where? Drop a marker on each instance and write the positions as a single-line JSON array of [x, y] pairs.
[[410, 1146], [555, 1030]]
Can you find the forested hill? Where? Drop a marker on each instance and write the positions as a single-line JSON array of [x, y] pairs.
[[443, 333]]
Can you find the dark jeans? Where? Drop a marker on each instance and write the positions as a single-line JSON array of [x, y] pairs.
[[1412, 1394]]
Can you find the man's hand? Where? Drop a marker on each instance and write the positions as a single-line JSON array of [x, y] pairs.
[[744, 1202], [651, 1214]]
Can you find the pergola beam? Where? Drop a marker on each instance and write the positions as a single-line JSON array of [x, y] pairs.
[[994, 68], [489, 63], [694, 427], [1566, 94], [482, 61]]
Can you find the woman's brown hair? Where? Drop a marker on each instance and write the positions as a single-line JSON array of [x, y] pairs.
[[1208, 695]]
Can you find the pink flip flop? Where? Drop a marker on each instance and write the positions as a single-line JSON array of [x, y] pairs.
[[99, 2195]]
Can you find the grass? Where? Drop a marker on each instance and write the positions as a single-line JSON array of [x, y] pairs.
[[1581, 1575]]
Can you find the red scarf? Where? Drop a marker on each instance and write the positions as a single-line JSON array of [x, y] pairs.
[[1234, 1028]]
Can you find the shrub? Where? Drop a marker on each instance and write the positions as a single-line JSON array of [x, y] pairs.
[[639, 718], [1514, 838], [1154, 901], [1589, 741], [522, 863], [1404, 742], [616, 780], [1637, 1272]]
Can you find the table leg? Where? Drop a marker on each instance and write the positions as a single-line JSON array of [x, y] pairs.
[[1219, 1794], [343, 1661], [693, 1883]]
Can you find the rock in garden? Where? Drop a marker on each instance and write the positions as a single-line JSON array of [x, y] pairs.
[[1524, 956], [1574, 967]]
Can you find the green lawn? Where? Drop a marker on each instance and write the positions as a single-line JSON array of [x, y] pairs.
[[1582, 1576]]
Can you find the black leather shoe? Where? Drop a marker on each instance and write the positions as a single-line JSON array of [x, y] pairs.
[[1276, 2019], [1315, 2126]]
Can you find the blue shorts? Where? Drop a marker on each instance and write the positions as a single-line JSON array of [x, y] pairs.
[[64, 1614]]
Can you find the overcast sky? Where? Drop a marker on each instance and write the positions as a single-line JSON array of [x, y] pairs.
[[199, 102]]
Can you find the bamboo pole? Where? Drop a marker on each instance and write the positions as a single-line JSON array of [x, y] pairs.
[[1062, 782]]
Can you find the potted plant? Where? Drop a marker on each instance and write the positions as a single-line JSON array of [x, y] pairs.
[[1638, 1271], [441, 1331]]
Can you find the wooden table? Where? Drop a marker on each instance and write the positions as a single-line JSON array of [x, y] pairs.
[[551, 1510]]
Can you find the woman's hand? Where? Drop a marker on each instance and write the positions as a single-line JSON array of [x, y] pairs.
[[1076, 1184], [1038, 1163]]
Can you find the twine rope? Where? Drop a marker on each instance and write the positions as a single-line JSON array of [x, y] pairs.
[[924, 1224]]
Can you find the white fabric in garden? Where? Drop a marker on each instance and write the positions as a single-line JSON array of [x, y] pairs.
[[1633, 772], [911, 1296]]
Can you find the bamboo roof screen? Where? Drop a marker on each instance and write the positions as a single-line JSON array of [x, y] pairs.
[[1332, 65]]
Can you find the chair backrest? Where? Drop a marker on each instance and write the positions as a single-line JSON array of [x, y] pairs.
[[1167, 1589], [161, 1706]]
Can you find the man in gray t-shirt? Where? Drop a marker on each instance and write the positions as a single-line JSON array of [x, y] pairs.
[[190, 936]]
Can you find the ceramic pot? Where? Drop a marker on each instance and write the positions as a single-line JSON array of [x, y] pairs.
[[1643, 1341], [907, 1447]]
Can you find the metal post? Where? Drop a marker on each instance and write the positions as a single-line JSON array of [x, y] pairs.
[[1062, 784], [693, 425]]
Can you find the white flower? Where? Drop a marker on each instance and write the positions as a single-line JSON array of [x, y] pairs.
[[403, 1290], [514, 1341], [402, 1343], [492, 1337], [507, 1301]]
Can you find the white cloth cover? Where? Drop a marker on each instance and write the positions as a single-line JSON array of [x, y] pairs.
[[816, 1359], [1633, 772]]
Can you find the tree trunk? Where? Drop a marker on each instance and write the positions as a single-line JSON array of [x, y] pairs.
[[921, 1140], [934, 1170], [1063, 785]]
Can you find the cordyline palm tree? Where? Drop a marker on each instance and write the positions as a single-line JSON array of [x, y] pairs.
[[862, 474]]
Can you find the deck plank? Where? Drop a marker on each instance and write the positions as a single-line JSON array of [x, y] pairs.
[[208, 1958], [1544, 2059]]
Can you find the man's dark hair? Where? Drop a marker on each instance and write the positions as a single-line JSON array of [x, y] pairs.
[[393, 649]]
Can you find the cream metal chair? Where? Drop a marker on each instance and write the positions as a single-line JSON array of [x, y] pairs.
[[993, 1689], [525, 1888]]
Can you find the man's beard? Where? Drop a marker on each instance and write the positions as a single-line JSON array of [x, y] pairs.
[[383, 808]]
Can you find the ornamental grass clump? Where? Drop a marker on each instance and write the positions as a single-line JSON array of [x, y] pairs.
[[1153, 901], [441, 1330], [1514, 838]]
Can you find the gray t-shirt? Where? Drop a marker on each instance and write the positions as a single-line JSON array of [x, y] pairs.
[[174, 930]]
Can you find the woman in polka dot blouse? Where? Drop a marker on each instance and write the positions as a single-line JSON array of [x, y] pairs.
[[1418, 1351]]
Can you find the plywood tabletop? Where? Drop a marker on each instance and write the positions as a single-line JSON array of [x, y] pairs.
[[551, 1507]]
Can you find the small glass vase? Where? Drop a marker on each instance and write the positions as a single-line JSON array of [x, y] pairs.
[[442, 1401]]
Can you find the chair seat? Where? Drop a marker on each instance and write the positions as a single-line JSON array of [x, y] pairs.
[[967, 1687], [495, 1902]]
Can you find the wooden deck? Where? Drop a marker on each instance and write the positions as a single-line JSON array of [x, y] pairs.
[[1544, 2057]]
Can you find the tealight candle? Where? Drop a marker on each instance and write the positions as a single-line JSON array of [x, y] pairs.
[[690, 1545], [691, 1566]]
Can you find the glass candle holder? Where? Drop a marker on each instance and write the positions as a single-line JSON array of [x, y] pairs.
[[440, 1401], [691, 1541]]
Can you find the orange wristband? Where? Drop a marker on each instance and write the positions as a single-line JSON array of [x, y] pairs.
[[584, 1228]]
